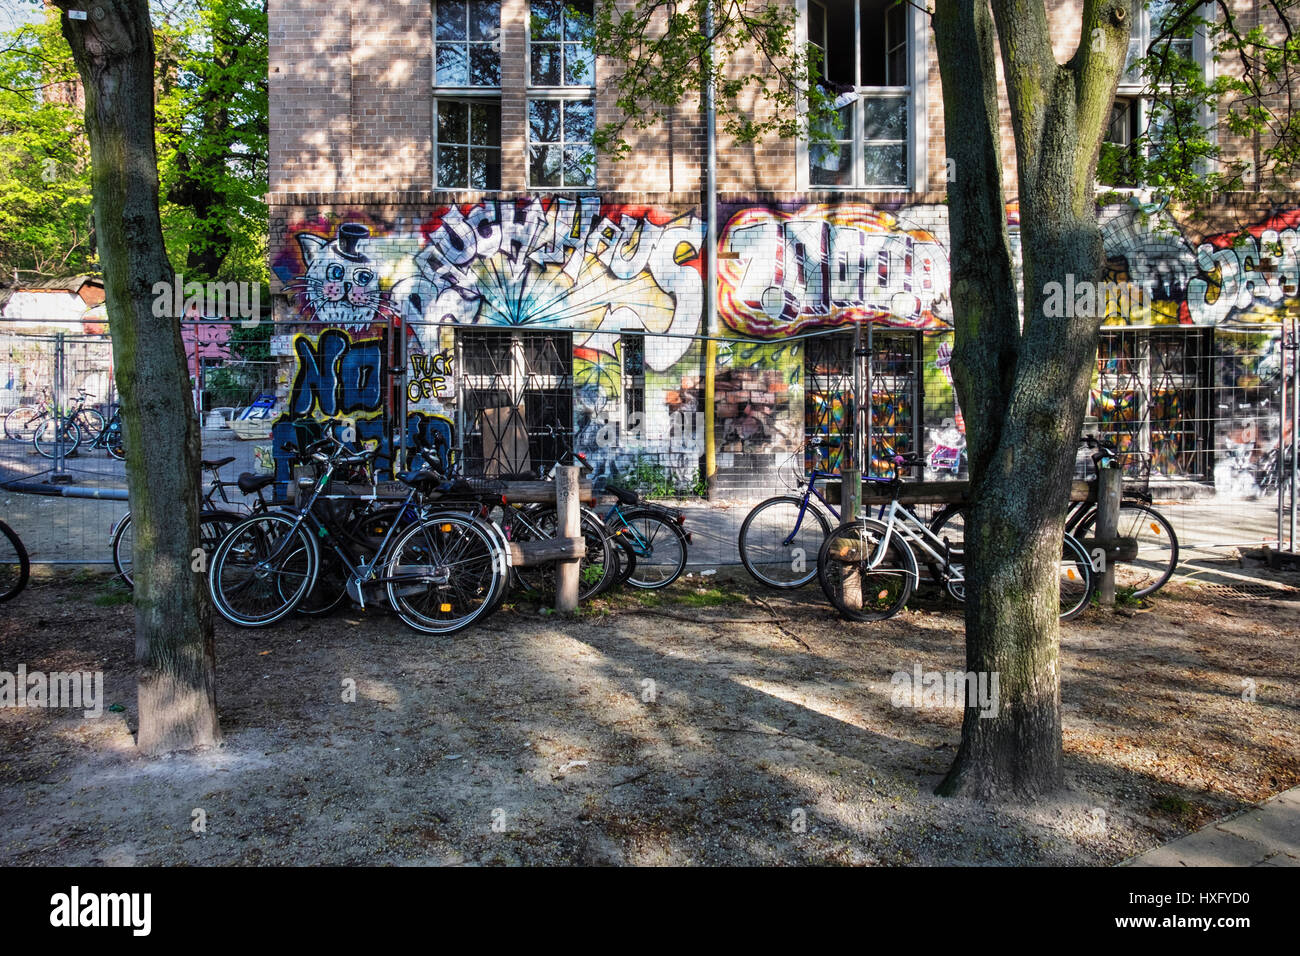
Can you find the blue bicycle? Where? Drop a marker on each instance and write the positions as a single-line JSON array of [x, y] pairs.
[[780, 538]]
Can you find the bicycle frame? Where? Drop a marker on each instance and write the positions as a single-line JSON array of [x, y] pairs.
[[811, 492]]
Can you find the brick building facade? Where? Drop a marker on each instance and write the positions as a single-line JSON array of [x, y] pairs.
[[435, 201]]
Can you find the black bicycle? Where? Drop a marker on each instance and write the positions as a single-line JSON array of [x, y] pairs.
[[1157, 544], [15, 568]]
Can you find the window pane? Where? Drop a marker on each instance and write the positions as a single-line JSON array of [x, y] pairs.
[[885, 165], [452, 68], [579, 66], [450, 15], [578, 121], [485, 124], [545, 19], [451, 122], [831, 165], [577, 19], [451, 167], [544, 166], [544, 121], [579, 166], [485, 20], [546, 64], [884, 117], [485, 65], [485, 168]]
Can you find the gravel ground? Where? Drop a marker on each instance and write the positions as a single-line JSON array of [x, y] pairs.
[[712, 724]]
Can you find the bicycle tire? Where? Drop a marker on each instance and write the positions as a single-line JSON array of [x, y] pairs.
[[46, 440], [15, 564], [754, 542], [213, 526], [1077, 581], [20, 424], [1145, 574], [268, 564], [859, 590], [454, 546], [596, 568], [625, 558], [90, 421], [668, 544]]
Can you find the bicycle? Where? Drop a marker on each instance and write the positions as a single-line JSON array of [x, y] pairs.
[[214, 521], [69, 428], [441, 573], [1157, 544], [15, 566], [651, 540], [111, 437], [779, 535], [867, 566], [20, 423]]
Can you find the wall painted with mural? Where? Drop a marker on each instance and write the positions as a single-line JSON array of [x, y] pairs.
[[357, 283]]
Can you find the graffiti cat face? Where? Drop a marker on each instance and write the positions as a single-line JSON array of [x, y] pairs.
[[341, 285]]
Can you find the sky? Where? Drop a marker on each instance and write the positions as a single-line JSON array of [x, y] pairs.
[[15, 12]]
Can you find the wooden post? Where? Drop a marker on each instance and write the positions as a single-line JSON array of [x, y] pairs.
[[850, 505], [1110, 487], [570, 526]]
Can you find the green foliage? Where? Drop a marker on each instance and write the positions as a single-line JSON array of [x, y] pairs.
[[211, 120], [1178, 154], [46, 215], [655, 481], [666, 58]]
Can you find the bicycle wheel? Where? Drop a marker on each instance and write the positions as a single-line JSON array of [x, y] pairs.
[[625, 558], [863, 581], [213, 526], [1077, 580], [660, 547], [777, 547], [263, 569], [15, 567], [21, 423], [1157, 547], [90, 421], [445, 573], [596, 569], [49, 432], [116, 446]]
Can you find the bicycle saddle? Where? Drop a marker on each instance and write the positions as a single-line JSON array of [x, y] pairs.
[[250, 483], [219, 463], [423, 480], [624, 496]]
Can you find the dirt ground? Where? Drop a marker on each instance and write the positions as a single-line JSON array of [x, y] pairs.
[[716, 723]]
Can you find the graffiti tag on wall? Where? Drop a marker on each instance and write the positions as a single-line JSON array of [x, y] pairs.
[[829, 265]]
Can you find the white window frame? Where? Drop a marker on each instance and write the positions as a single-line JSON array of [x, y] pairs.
[[1133, 89], [917, 151], [586, 91], [460, 94]]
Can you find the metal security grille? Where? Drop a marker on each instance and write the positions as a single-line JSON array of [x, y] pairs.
[[516, 387], [895, 398], [1152, 395], [828, 402]]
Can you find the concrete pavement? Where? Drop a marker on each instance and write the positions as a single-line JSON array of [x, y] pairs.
[[1264, 835]]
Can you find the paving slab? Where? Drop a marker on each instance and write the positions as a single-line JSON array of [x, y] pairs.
[[1264, 835]]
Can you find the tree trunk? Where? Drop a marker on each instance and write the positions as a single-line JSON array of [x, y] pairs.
[[1022, 390], [114, 53]]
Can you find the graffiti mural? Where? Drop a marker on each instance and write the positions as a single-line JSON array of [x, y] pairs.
[[431, 377], [824, 266], [555, 261], [343, 380]]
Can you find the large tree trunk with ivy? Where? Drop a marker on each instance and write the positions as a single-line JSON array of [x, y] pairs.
[[1023, 390], [114, 52]]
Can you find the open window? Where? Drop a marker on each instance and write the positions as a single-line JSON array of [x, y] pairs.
[[869, 50]]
